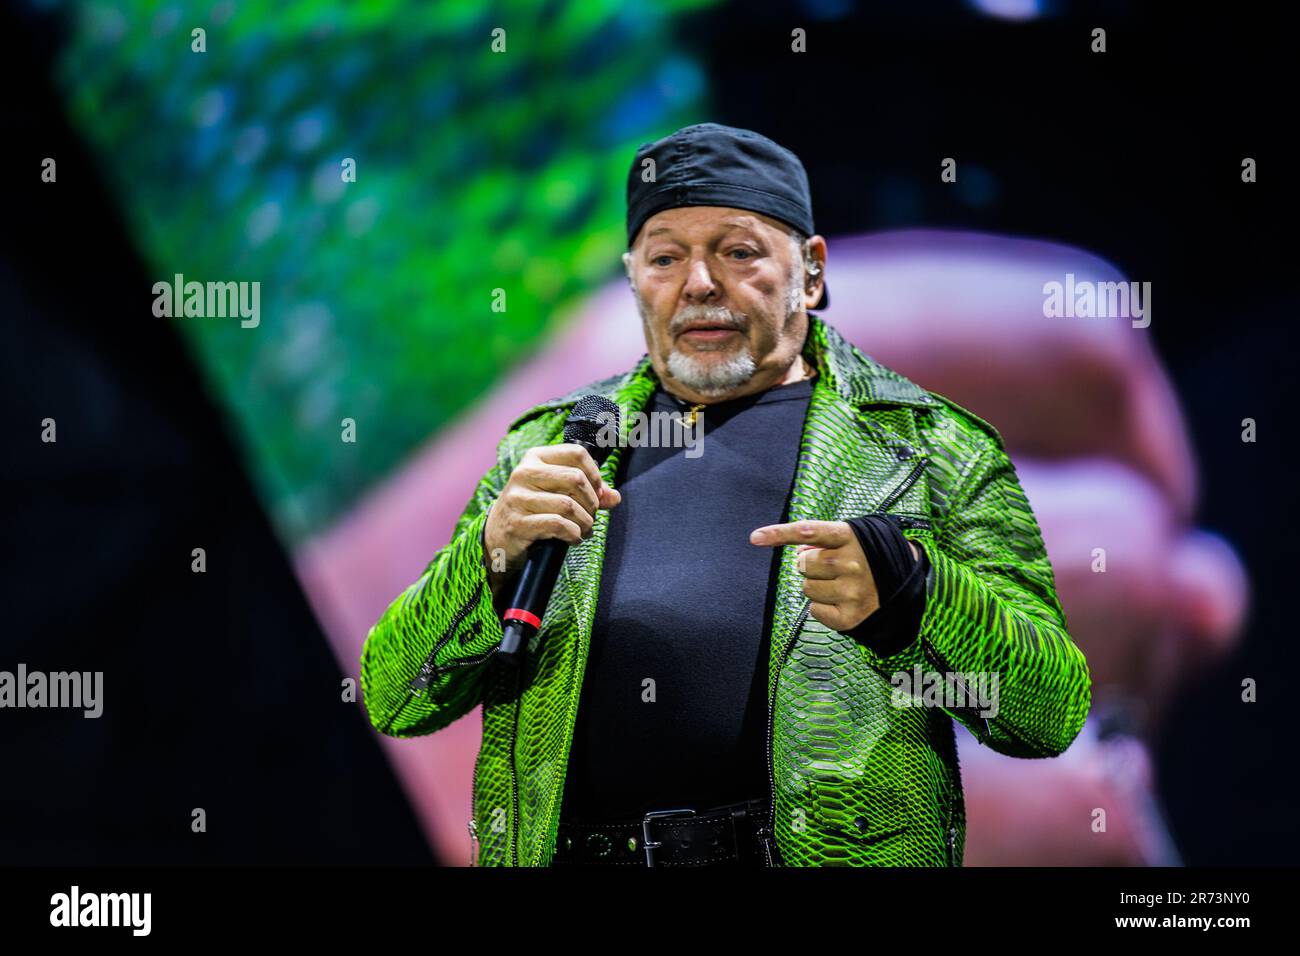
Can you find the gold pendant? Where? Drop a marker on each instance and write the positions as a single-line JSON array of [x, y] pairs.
[[695, 410]]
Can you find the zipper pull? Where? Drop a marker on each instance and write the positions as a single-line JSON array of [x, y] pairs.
[[765, 835], [423, 678], [473, 843]]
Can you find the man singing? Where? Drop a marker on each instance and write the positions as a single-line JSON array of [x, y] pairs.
[[753, 654]]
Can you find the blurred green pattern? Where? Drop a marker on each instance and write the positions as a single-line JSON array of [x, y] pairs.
[[475, 170]]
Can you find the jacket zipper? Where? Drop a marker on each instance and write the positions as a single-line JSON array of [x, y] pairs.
[[513, 824], [767, 832], [421, 683], [579, 673], [937, 661], [903, 486], [908, 522], [422, 679], [571, 716], [473, 810]]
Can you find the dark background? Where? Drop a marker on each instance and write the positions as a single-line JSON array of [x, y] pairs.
[[222, 691], [225, 694]]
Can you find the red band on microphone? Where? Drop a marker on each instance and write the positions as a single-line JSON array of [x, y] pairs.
[[519, 614]]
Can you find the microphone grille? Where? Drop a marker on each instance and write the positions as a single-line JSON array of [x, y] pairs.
[[587, 422]]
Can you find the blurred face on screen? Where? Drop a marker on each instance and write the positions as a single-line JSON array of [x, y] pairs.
[[722, 300]]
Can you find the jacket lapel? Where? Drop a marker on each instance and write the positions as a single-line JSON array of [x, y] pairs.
[[848, 465]]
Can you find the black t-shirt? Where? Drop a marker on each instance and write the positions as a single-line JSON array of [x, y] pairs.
[[673, 709]]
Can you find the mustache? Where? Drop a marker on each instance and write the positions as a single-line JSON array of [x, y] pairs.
[[723, 318]]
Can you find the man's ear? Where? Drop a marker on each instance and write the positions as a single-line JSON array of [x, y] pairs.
[[814, 267]]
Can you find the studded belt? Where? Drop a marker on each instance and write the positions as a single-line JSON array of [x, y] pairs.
[[730, 835]]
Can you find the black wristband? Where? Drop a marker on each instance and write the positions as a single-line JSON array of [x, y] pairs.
[[900, 581]]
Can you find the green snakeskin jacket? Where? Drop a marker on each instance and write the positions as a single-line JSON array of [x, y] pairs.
[[855, 779]]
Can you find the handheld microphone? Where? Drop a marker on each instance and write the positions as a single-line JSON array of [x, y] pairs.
[[532, 592]]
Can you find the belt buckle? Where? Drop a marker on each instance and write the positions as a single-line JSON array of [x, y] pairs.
[[649, 844]]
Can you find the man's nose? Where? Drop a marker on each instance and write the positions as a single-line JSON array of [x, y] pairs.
[[700, 285]]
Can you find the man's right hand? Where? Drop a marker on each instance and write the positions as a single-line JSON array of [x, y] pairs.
[[554, 492]]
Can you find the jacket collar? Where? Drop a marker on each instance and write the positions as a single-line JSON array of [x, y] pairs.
[[858, 378]]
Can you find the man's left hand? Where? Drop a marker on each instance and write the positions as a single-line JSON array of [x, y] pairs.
[[837, 575]]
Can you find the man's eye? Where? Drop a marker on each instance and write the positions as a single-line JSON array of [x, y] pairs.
[[658, 260], [745, 253]]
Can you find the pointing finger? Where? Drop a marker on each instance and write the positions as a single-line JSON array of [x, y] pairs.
[[821, 534]]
